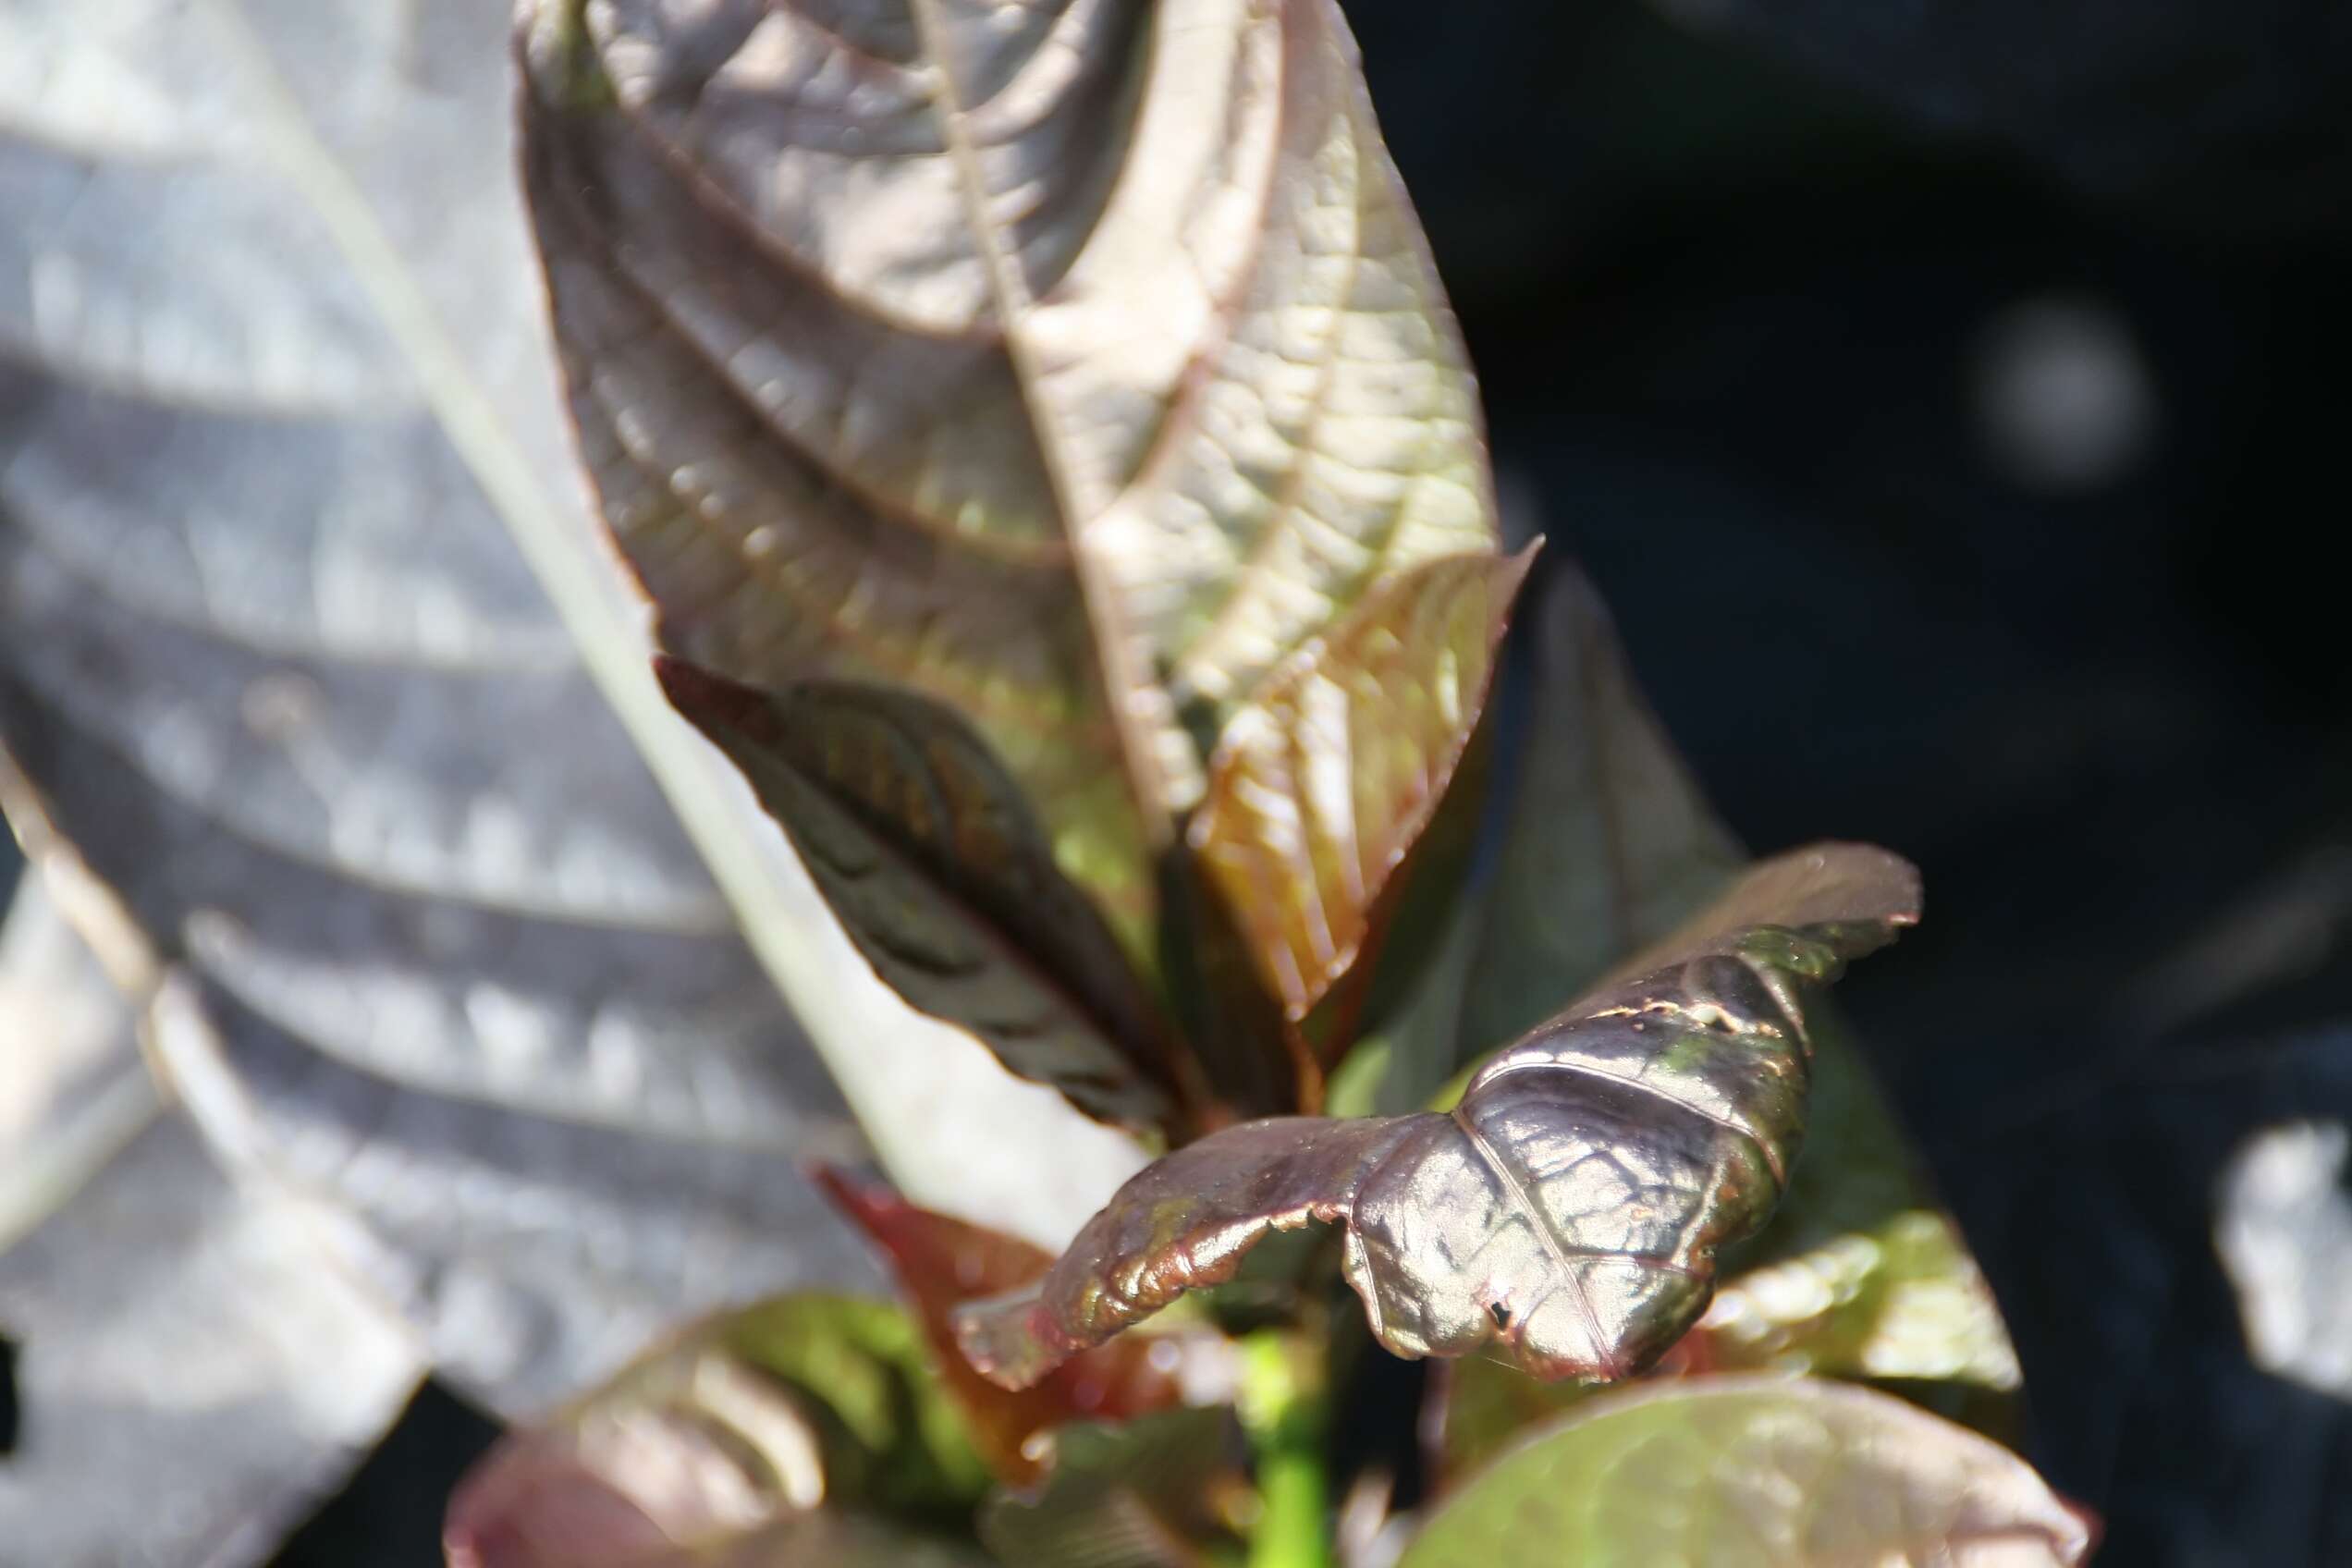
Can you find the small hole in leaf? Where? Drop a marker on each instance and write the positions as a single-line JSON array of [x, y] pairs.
[[1499, 1313]]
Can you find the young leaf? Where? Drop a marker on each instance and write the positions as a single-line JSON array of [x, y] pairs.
[[1568, 1211], [941, 1263], [1772, 1472], [1609, 847], [1326, 780], [933, 863], [1068, 365], [799, 1425]]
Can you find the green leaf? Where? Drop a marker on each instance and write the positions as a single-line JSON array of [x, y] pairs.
[[1568, 1212], [1772, 1472], [1158, 1492], [724, 1443], [1070, 371], [1904, 1301], [934, 865], [1323, 782]]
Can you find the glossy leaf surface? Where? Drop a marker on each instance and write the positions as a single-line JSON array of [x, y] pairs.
[[1903, 1303], [753, 1438], [1568, 1212], [1066, 366], [167, 1323], [1748, 1470], [1610, 846], [941, 1263], [935, 867], [1325, 782]]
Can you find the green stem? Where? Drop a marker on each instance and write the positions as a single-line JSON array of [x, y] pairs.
[[1282, 1410]]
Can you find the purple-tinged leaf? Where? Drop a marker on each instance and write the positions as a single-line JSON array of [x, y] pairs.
[[941, 1263], [1067, 366], [1567, 1212], [1323, 783], [1754, 1472], [934, 865]]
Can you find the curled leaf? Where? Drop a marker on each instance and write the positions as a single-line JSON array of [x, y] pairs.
[[941, 1263], [934, 865], [1568, 1211], [798, 1423], [1754, 1472], [1068, 365], [1323, 782]]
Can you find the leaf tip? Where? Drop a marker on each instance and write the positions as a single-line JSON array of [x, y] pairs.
[[1008, 1339], [559, 59], [711, 702]]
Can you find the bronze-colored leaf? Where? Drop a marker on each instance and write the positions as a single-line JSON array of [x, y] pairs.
[[1754, 1472], [941, 1263], [1068, 365], [934, 865], [1610, 847], [1567, 1212], [1326, 780], [800, 1423]]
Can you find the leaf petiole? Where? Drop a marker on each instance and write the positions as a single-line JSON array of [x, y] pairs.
[[1283, 1411]]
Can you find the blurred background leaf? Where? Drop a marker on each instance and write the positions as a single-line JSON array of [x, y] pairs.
[[273, 388], [190, 1380]]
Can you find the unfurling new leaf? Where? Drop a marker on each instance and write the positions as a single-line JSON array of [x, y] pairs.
[[1568, 1211], [933, 863], [1323, 784]]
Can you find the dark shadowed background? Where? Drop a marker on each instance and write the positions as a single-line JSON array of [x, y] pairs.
[[1951, 401]]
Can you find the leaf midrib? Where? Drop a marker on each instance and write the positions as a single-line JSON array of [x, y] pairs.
[[1114, 643]]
